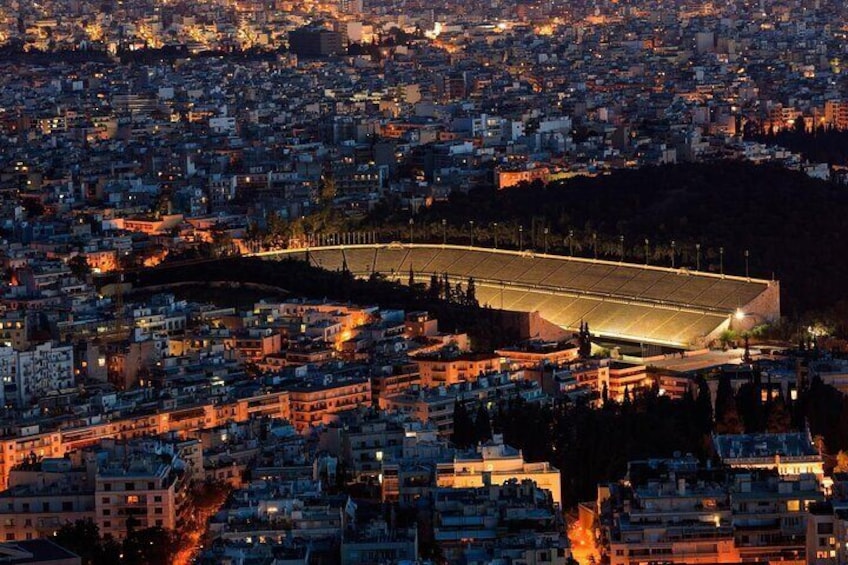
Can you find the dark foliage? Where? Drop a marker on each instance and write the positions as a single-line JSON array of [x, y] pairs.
[[460, 312], [791, 224], [147, 546], [463, 435], [823, 145], [482, 424], [594, 445]]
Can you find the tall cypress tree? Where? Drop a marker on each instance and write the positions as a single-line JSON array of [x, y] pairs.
[[703, 406], [463, 426], [727, 420], [482, 425]]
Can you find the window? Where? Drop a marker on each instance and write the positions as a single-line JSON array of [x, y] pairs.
[[793, 505], [107, 487], [10, 537], [150, 486], [107, 512], [132, 499], [107, 524], [67, 506], [157, 498], [105, 500], [825, 528], [159, 522], [157, 510], [129, 486]]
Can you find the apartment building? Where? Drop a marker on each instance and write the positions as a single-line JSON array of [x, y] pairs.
[[312, 402]]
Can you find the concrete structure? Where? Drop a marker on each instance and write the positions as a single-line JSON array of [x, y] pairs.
[[675, 511], [312, 402], [788, 453], [31, 374], [635, 303], [494, 464], [36, 552], [444, 368]]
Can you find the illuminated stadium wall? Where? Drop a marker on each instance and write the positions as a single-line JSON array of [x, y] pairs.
[[635, 303]]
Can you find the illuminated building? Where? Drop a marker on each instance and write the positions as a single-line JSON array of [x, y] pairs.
[[789, 453], [311, 403], [495, 463], [445, 368]]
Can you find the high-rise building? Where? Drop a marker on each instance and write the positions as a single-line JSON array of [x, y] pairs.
[[315, 42]]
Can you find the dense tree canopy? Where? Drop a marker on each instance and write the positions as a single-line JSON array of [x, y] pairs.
[[792, 225]]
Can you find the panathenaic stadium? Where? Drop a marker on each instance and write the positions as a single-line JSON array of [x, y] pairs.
[[677, 308]]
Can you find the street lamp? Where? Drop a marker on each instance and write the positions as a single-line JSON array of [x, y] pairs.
[[595, 244], [621, 247], [444, 231], [647, 249], [747, 274], [546, 241], [411, 231], [472, 232], [571, 242], [697, 256], [721, 261], [521, 238], [495, 232], [739, 316], [673, 246]]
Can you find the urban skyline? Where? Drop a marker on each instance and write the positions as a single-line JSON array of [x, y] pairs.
[[391, 282]]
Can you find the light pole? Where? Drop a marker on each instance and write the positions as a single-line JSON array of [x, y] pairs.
[[595, 244], [721, 261], [495, 232], [546, 241], [740, 316], [621, 247], [647, 243], [521, 238], [571, 242], [673, 246], [444, 231], [472, 232], [697, 256], [411, 231], [747, 274]]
